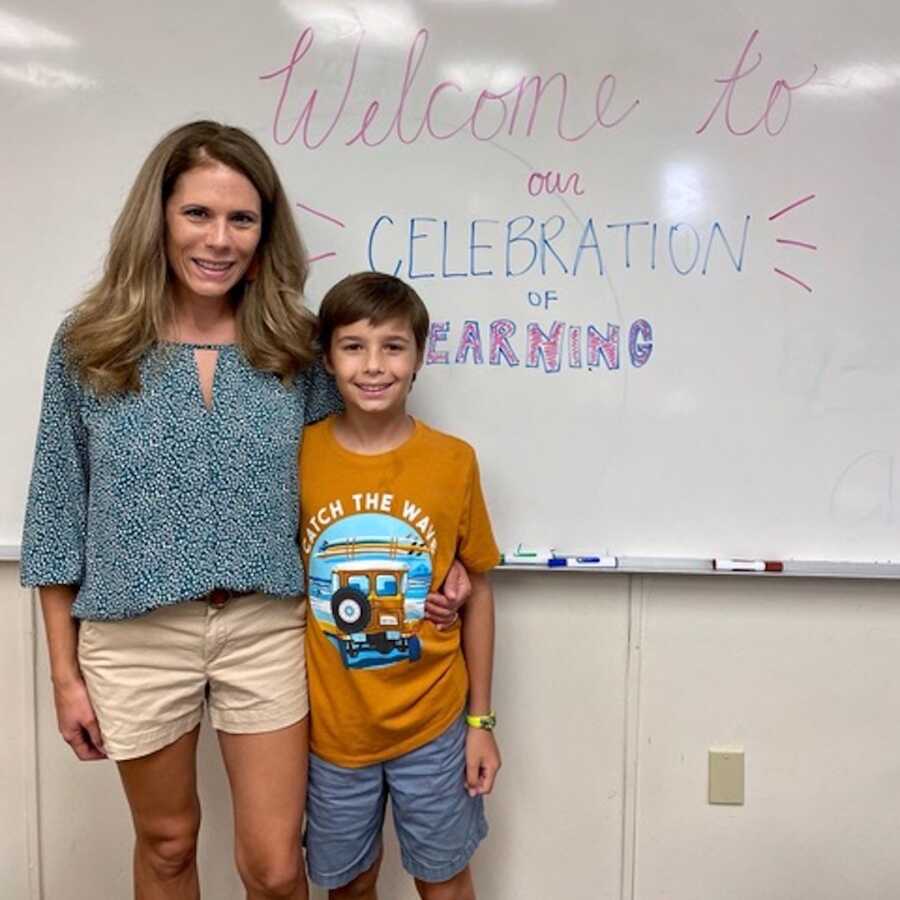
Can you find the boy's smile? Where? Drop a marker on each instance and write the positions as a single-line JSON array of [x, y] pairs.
[[374, 365]]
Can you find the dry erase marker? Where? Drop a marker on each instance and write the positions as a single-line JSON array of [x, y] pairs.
[[747, 565], [582, 562], [522, 556]]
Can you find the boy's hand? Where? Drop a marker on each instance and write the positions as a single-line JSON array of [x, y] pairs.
[[443, 608], [482, 761]]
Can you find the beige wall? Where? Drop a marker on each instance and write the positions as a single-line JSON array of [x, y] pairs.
[[18, 827], [804, 675], [610, 690]]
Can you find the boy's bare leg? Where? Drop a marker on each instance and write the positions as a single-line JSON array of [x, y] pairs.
[[459, 887], [362, 887]]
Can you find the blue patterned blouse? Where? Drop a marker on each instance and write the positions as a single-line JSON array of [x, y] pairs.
[[149, 498]]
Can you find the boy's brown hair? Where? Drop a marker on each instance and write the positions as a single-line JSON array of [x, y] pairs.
[[375, 297]]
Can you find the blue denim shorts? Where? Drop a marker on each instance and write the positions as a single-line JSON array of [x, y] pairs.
[[438, 824]]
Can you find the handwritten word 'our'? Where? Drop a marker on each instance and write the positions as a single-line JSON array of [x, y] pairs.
[[491, 114], [553, 183], [780, 88]]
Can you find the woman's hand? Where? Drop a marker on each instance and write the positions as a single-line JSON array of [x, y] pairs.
[[482, 761], [442, 607], [77, 723], [74, 713]]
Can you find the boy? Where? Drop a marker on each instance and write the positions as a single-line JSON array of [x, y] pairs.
[[387, 503]]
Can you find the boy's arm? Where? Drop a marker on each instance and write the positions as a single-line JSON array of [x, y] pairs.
[[482, 755]]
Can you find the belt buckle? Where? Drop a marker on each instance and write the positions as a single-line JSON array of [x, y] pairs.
[[218, 598]]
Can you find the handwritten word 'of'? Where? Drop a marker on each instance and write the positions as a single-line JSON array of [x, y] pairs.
[[781, 88], [423, 247], [492, 112], [581, 346]]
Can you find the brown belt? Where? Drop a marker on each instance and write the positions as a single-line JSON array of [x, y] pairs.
[[218, 597]]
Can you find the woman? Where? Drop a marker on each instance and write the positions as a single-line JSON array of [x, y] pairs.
[[165, 472]]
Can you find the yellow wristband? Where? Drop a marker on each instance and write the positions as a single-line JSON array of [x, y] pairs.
[[488, 722]]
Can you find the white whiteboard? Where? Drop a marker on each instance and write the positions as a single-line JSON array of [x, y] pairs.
[[765, 420]]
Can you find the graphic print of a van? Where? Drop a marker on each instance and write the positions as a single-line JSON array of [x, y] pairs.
[[368, 600]]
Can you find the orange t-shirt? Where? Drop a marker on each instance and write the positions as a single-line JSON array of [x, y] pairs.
[[377, 533]]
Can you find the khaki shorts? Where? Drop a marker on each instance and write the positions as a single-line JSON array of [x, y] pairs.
[[149, 677]]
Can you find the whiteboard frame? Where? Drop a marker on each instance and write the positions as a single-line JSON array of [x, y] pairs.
[[672, 565]]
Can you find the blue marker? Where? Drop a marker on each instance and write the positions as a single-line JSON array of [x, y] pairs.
[[583, 562]]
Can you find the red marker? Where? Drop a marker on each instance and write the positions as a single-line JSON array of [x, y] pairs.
[[747, 565]]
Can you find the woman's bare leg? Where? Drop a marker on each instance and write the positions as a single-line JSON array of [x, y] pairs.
[[268, 786], [162, 792]]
